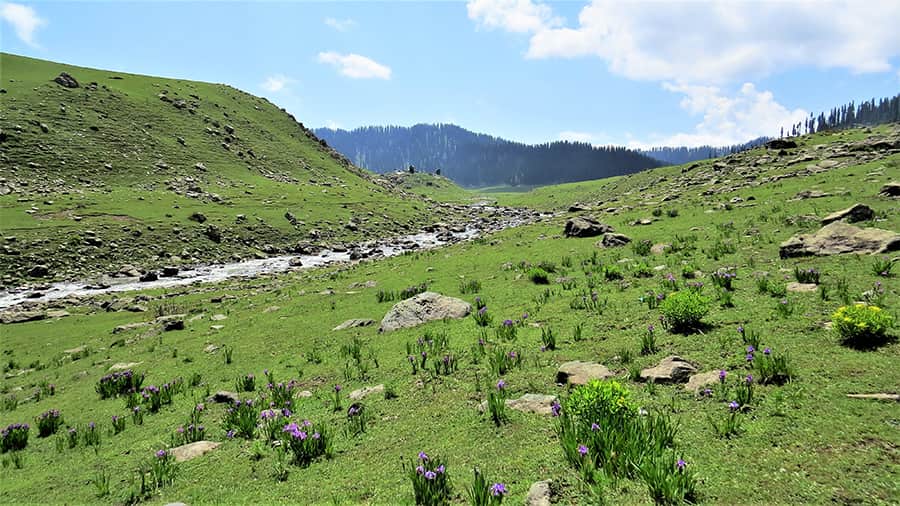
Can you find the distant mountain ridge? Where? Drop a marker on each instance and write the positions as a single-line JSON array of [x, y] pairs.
[[473, 159]]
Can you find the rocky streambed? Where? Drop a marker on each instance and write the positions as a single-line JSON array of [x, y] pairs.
[[489, 219]]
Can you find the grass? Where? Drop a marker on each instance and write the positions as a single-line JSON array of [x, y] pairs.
[[800, 442]]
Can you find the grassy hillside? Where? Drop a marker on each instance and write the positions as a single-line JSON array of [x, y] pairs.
[[800, 441], [110, 172]]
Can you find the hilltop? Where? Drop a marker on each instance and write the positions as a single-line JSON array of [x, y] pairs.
[[102, 170]]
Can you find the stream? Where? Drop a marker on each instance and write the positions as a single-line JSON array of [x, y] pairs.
[[508, 218]]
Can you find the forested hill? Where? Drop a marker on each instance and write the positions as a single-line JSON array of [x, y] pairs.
[[473, 159], [677, 155]]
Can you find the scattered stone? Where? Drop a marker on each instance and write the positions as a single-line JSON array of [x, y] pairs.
[[854, 213], [422, 308], [224, 396], [671, 369], [22, 316], [218, 317], [198, 217], [811, 194], [171, 322], [149, 276], [295, 262], [659, 249], [533, 403], [539, 494], [121, 366], [612, 240], [130, 326], [878, 397], [39, 271], [212, 348], [585, 227], [890, 190], [699, 381], [781, 144], [837, 238], [193, 450], [642, 221], [802, 287], [365, 391], [65, 80], [355, 322], [169, 271], [57, 313], [577, 372]]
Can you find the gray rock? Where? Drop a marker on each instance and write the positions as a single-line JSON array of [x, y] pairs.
[[699, 381], [585, 227], [802, 287], [671, 369], [612, 240], [21, 316], [838, 238], [356, 322], [122, 366], [854, 213], [533, 403], [811, 194], [171, 322], [577, 372], [130, 326], [365, 391], [890, 190], [423, 308], [877, 397], [39, 271], [65, 80], [539, 494], [198, 217], [193, 450]]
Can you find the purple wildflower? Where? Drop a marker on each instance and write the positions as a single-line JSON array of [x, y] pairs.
[[440, 469], [595, 427], [430, 475], [722, 374], [423, 456], [555, 408], [582, 450], [680, 464], [733, 405], [420, 470], [337, 388], [498, 489], [161, 454], [767, 351], [501, 385]]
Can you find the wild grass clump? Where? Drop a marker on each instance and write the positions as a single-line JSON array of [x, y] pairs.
[[684, 311], [14, 437], [728, 424], [548, 339], [648, 341], [49, 422], [496, 404], [503, 361], [430, 482], [246, 383], [119, 383], [469, 286], [810, 275], [862, 324], [882, 267], [642, 247], [240, 420], [538, 276], [482, 494], [724, 278], [306, 442], [772, 367]]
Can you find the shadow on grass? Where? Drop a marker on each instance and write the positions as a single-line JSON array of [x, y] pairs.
[[868, 344]]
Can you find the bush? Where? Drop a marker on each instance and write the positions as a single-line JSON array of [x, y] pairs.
[[306, 442], [861, 324], [49, 422], [538, 276], [14, 437], [119, 383], [599, 400], [683, 311], [810, 275], [642, 248], [431, 485]]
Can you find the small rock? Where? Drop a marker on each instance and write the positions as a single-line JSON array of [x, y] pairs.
[[577, 372], [422, 308], [890, 190], [878, 397], [612, 240], [121, 366], [224, 396], [193, 450], [539, 494], [671, 369], [212, 348], [65, 80], [356, 322], [365, 391], [854, 213], [218, 317], [802, 287], [585, 227], [699, 381]]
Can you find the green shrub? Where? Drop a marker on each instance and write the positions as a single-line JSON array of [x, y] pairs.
[[861, 324], [642, 247], [538, 276], [599, 400], [683, 311]]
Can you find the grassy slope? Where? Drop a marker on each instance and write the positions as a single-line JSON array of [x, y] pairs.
[[61, 173], [804, 442]]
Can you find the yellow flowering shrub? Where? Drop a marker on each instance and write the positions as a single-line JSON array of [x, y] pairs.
[[861, 323]]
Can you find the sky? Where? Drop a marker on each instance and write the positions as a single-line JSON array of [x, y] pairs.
[[633, 73]]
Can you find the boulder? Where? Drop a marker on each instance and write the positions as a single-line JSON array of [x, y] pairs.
[[169, 271], [579, 373], [129, 326], [660, 248], [533, 403], [811, 194], [702, 380], [539, 494], [363, 392], [585, 227], [423, 308], [122, 366], [193, 450], [38, 271], [837, 238], [801, 287], [21, 316], [612, 240], [671, 369], [65, 80], [171, 322], [854, 213], [355, 322], [890, 190], [149, 276]]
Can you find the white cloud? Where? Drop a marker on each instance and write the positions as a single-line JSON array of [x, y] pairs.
[[726, 120], [572, 136], [519, 16], [23, 19], [276, 83], [703, 41], [341, 25], [356, 66]]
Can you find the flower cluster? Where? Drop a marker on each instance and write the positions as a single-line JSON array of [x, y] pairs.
[[430, 482], [14, 437], [49, 422], [306, 441], [119, 383]]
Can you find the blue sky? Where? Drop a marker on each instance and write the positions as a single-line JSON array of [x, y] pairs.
[[636, 73]]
